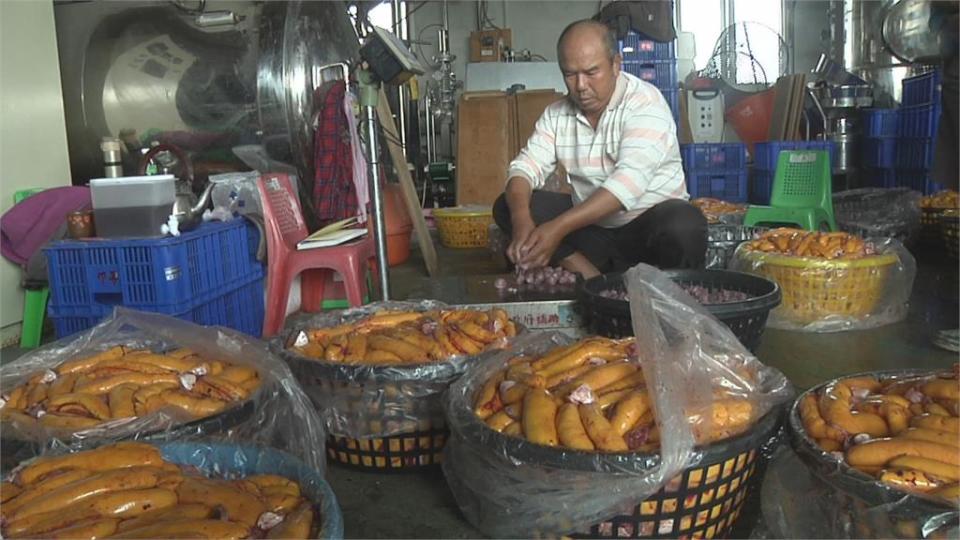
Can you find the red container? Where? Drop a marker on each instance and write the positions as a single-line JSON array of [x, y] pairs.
[[398, 225]]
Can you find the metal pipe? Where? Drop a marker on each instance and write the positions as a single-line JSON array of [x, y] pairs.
[[428, 121], [400, 27], [479, 15], [446, 15], [816, 102], [376, 197]]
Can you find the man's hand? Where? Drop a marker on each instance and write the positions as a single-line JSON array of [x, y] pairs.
[[522, 228], [541, 244]]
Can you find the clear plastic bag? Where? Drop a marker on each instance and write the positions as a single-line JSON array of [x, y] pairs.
[[839, 500], [236, 194], [800, 504], [821, 295], [364, 401], [277, 414], [508, 487], [724, 238], [877, 212]]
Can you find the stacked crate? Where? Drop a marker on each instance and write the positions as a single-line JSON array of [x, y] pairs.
[[917, 129], [716, 170], [879, 147], [209, 276], [765, 157], [654, 62]]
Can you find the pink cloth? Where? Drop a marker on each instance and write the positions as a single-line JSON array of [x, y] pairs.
[[360, 181], [27, 226]]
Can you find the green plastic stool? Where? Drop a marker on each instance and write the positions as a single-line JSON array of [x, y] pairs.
[[802, 193], [34, 300]]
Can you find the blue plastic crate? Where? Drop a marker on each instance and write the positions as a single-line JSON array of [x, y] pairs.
[[920, 121], [914, 153], [880, 152], [714, 156], [728, 186], [922, 89], [638, 47], [761, 187], [239, 306], [673, 99], [919, 180], [879, 177], [880, 122], [151, 272], [660, 73], [765, 154]]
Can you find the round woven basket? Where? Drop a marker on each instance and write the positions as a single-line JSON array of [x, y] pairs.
[[703, 501], [814, 289], [873, 509]]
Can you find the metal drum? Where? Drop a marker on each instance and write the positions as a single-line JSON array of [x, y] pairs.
[[218, 79]]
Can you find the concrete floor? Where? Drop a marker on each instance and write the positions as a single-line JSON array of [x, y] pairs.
[[419, 504]]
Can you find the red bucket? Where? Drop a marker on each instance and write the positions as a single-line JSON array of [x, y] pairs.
[[750, 117]]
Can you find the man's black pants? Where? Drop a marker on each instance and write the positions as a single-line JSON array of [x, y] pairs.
[[672, 234]]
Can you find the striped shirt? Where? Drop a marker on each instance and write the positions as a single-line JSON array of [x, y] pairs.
[[633, 153]]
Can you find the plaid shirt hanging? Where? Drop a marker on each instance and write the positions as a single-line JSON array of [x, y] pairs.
[[334, 194]]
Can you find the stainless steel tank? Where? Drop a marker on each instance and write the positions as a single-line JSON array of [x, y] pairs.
[[208, 76], [865, 53]]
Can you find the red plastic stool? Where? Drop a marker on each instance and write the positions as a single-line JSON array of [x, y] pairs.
[[285, 228]]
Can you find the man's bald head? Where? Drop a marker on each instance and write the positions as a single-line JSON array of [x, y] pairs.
[[587, 29]]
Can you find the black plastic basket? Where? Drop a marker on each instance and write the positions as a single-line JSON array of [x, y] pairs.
[[723, 240], [420, 429], [878, 212], [930, 234], [420, 448], [747, 319], [703, 501], [856, 491], [950, 230]]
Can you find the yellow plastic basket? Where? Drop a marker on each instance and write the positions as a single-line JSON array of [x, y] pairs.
[[463, 227], [814, 289]]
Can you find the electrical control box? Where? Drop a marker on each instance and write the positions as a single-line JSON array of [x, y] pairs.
[[489, 45]]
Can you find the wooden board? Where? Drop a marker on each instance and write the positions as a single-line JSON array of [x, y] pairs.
[[781, 105], [406, 184], [796, 111], [486, 136], [530, 105]]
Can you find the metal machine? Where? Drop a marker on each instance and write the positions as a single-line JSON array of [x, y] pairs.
[[207, 76], [839, 107]]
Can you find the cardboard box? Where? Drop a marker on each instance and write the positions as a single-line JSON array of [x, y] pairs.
[[488, 45]]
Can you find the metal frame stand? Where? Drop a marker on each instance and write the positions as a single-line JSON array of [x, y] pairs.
[[369, 86]]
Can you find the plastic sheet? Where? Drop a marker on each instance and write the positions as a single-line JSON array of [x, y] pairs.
[[821, 295], [370, 401], [277, 414], [877, 212], [508, 487]]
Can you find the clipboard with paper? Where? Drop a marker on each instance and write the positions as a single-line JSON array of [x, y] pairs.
[[333, 234]]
